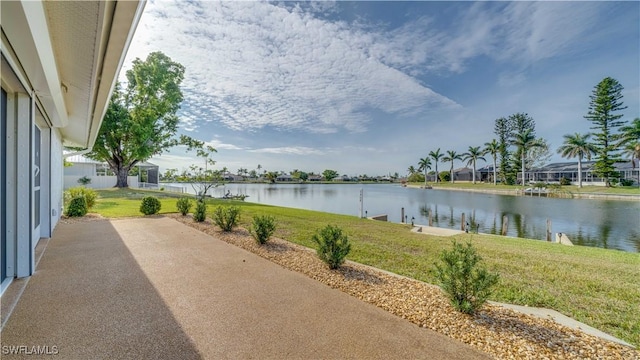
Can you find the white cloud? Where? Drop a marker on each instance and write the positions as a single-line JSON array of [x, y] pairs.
[[217, 144], [253, 64], [291, 150]]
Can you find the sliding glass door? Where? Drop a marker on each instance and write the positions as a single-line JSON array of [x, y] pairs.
[[3, 187]]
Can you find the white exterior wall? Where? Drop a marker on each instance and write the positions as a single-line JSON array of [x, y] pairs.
[[57, 166], [80, 169], [99, 182]]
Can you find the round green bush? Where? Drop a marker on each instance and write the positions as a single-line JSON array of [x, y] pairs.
[[184, 205], [200, 214], [463, 278], [226, 217], [333, 246], [262, 228], [150, 205], [77, 207], [89, 195]]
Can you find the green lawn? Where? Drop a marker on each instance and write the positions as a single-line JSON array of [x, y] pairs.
[[596, 286]]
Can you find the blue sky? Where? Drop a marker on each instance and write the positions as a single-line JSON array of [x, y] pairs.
[[371, 87]]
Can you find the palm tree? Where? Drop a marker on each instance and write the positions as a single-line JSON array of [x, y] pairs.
[[493, 148], [436, 155], [471, 156], [577, 145], [411, 170], [630, 142], [425, 164], [524, 141], [451, 156]]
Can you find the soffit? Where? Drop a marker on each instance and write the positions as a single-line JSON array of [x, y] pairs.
[[74, 31]]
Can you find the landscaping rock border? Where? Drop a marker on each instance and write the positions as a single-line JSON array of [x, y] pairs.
[[500, 332]]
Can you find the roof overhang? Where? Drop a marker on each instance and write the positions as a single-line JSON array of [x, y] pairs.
[[71, 53]]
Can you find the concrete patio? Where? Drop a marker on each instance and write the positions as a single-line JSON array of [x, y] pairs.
[[153, 288]]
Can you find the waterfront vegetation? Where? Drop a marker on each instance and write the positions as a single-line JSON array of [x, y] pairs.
[[596, 286], [573, 189]]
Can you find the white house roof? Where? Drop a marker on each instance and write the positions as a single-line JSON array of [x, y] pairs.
[[71, 53]]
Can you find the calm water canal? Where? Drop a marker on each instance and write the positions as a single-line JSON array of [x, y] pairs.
[[599, 223]]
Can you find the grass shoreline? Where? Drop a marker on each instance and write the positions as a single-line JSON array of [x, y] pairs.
[[596, 286], [570, 191]]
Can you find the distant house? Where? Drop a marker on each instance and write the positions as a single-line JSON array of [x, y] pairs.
[[101, 176], [552, 173], [344, 178], [232, 177], [314, 178], [284, 178], [485, 174], [464, 174]]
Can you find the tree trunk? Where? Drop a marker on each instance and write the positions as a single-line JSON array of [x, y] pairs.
[[474, 171], [437, 175], [121, 175], [579, 172], [451, 172], [523, 160], [495, 177]]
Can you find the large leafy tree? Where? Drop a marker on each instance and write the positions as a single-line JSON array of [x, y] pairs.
[[141, 119], [436, 156], [329, 174], [604, 106], [577, 146], [452, 156], [493, 148], [424, 164], [471, 157]]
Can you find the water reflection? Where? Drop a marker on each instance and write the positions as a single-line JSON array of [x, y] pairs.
[[599, 223]]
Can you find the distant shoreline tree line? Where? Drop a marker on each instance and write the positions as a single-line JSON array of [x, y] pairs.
[[516, 147]]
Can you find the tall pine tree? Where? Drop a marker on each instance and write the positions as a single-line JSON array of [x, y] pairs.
[[606, 101], [503, 131]]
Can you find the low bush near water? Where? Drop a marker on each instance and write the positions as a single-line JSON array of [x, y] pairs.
[[150, 205], [226, 217], [333, 246], [467, 283], [77, 207], [262, 228], [200, 214], [184, 205]]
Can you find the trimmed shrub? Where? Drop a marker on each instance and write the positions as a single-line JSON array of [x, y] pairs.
[[150, 205], [184, 205], [564, 181], [626, 182], [89, 195], [465, 281], [262, 228], [200, 214], [444, 176], [226, 217], [84, 180], [333, 246], [77, 207]]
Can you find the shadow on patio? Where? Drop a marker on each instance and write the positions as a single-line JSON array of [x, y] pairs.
[[90, 299]]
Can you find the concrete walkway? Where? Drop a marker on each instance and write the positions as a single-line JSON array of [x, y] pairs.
[[153, 288]]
